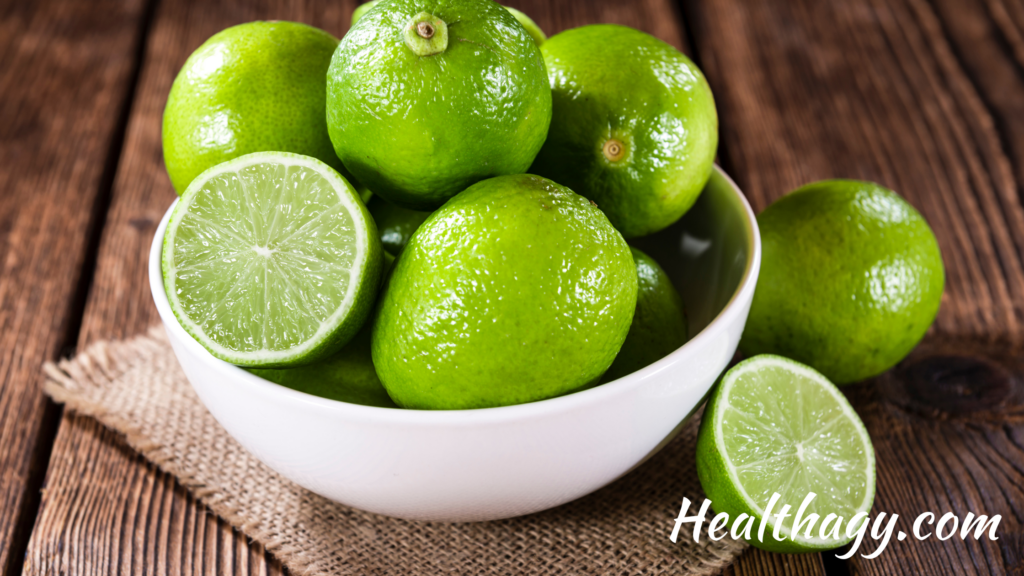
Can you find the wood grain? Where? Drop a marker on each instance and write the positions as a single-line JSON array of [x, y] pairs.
[[105, 510], [885, 91], [57, 56]]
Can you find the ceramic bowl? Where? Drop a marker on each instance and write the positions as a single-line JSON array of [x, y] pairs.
[[492, 463]]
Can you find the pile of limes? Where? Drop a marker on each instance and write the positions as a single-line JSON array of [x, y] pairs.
[[433, 213]]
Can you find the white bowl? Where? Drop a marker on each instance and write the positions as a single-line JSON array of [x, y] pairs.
[[495, 463]]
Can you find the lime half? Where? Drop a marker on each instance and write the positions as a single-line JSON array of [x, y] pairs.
[[271, 260], [776, 426]]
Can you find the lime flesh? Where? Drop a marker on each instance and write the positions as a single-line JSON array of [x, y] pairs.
[[270, 260], [516, 290], [776, 426]]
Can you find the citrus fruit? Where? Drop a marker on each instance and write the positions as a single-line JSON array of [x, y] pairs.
[[347, 376], [424, 99], [851, 278], [254, 87], [515, 290], [361, 10], [776, 426], [271, 260], [531, 27], [659, 323], [394, 223], [633, 126]]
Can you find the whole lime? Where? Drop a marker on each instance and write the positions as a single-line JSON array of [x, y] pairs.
[[255, 87], [531, 27], [851, 278], [394, 223], [515, 290], [633, 127], [659, 323], [348, 376], [425, 99]]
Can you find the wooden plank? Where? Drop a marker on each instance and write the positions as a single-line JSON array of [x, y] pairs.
[[105, 510], [65, 75], [882, 90], [755, 562]]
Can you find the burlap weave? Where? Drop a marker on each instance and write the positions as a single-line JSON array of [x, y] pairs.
[[137, 388]]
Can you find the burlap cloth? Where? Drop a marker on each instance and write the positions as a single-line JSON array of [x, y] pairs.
[[137, 388]]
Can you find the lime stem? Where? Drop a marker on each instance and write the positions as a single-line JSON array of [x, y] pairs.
[[426, 34]]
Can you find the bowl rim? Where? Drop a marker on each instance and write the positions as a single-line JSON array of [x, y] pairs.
[[502, 414]]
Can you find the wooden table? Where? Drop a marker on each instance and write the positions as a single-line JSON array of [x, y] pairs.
[[923, 96]]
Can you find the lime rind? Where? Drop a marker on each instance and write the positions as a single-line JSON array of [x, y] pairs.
[[299, 223], [793, 436]]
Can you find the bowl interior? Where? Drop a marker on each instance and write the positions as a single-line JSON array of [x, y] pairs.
[[707, 252]]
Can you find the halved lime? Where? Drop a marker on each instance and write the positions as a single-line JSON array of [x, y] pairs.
[[776, 426], [271, 259]]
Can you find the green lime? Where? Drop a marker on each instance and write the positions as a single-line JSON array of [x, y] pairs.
[[531, 27], [851, 278], [394, 223], [254, 87], [775, 426], [633, 126], [515, 290], [348, 376], [364, 193], [421, 104], [361, 10], [271, 260], [659, 323]]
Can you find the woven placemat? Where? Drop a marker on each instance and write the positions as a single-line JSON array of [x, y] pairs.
[[137, 388]]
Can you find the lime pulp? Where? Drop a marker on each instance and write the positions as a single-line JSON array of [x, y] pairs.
[[775, 426], [271, 259]]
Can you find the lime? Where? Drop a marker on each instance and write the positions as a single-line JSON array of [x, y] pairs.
[[659, 323], [254, 87], [271, 260], [531, 27], [348, 376], [775, 426], [851, 278], [394, 223], [422, 104], [515, 290], [361, 10], [633, 126]]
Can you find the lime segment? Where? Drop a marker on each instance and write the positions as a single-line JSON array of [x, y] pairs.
[[777, 426], [271, 260]]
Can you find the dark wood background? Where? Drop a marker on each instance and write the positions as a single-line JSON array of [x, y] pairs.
[[923, 96]]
